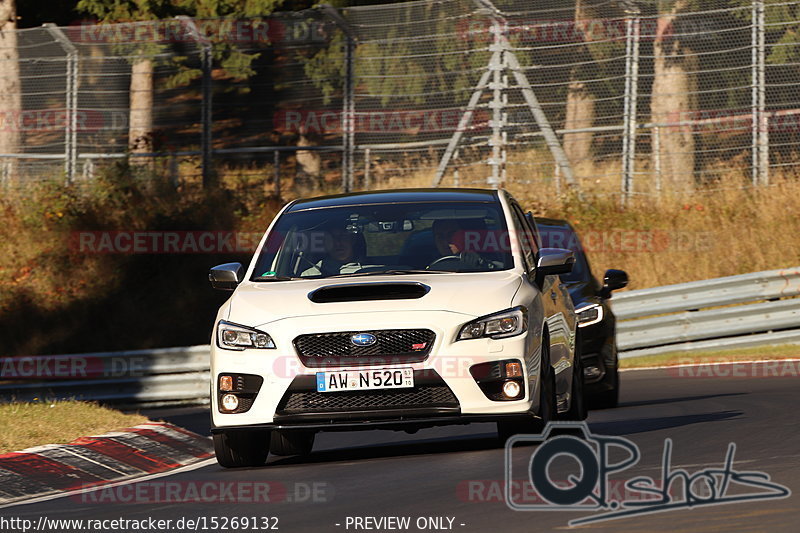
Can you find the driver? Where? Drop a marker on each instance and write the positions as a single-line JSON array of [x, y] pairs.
[[448, 237], [345, 250]]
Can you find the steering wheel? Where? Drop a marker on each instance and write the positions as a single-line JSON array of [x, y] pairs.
[[445, 258]]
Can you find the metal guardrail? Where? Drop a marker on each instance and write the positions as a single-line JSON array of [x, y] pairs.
[[708, 293], [141, 378], [757, 309], [734, 312]]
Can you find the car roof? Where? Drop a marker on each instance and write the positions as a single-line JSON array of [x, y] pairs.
[[395, 196], [558, 222]]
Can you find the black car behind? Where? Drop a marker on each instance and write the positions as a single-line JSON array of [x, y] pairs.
[[597, 326]]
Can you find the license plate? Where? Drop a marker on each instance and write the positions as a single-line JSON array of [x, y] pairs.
[[379, 378]]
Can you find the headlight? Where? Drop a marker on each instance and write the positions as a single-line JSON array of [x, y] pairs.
[[497, 326], [590, 314], [235, 337]]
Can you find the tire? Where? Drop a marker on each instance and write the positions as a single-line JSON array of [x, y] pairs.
[[292, 442], [577, 406], [547, 404], [608, 399], [236, 449]]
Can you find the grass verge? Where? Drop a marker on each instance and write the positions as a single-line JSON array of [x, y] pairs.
[[23, 425], [757, 353]]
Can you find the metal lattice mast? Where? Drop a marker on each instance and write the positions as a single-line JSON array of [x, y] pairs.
[[503, 54]]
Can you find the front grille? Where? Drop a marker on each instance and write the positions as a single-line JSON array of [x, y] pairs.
[[425, 396], [391, 346]]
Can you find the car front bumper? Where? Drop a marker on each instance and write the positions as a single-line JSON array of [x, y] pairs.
[[457, 399]]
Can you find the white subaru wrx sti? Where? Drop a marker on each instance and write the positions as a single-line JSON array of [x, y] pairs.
[[392, 309]]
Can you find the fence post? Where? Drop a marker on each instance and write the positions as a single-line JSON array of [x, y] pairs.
[[630, 102], [456, 175], [276, 169], [206, 118], [754, 115], [557, 177], [763, 119], [497, 65], [656, 148], [71, 124], [348, 115], [367, 164], [348, 96]]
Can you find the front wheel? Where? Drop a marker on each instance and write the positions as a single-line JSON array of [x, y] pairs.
[[608, 399], [577, 405], [241, 448]]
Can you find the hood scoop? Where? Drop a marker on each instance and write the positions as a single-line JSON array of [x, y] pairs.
[[359, 292]]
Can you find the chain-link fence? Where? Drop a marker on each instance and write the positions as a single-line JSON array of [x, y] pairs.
[[621, 97]]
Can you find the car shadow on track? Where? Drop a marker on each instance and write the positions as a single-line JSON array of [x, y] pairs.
[[478, 442], [645, 425], [485, 442], [679, 399]]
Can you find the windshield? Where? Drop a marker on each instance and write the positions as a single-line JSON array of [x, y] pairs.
[[388, 238]]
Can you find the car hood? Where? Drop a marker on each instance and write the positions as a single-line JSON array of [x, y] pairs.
[[582, 292], [473, 294]]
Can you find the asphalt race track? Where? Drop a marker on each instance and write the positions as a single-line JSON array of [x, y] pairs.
[[457, 473]]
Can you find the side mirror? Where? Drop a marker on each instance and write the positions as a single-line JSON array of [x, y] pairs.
[[554, 261], [226, 277], [613, 280]]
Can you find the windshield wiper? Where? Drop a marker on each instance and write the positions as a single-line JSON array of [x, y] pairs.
[[274, 278], [392, 272]]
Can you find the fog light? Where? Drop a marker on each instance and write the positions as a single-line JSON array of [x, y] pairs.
[[511, 389], [230, 402], [226, 383], [513, 370]]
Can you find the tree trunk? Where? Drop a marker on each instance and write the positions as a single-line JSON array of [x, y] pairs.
[[309, 166], [580, 105], [580, 114], [10, 90], [673, 100], [140, 129]]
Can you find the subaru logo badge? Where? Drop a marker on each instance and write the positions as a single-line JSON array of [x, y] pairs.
[[363, 339]]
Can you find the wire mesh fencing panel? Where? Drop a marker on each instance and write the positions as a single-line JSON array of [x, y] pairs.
[[620, 97], [644, 98], [37, 118]]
